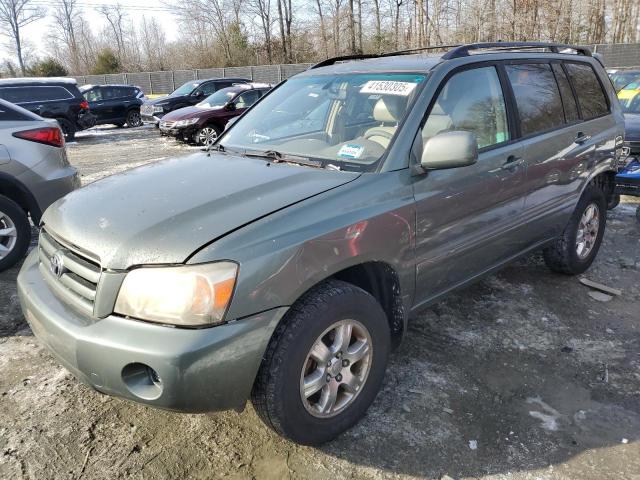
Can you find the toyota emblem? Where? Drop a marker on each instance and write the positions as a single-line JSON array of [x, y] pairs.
[[57, 264]]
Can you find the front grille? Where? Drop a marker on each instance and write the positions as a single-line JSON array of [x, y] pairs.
[[147, 109], [634, 146], [72, 275]]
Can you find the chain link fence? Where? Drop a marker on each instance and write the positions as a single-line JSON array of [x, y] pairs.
[[166, 82], [614, 55]]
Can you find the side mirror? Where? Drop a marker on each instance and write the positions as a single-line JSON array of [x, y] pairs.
[[450, 150], [230, 106], [198, 94]]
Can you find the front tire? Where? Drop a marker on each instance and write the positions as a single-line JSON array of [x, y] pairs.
[[206, 135], [324, 365], [613, 201], [15, 233], [574, 251]]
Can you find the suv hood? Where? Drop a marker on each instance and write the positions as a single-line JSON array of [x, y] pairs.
[[165, 99], [163, 212]]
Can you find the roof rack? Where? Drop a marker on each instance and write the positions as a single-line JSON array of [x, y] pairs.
[[466, 50], [364, 56]]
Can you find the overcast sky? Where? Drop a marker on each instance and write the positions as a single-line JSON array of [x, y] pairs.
[[36, 33]]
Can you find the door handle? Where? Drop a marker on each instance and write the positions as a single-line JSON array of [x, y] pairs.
[[512, 162], [581, 138]]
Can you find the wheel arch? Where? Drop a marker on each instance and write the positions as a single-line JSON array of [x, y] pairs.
[[12, 188]]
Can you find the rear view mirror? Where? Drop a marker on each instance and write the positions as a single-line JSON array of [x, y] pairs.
[[450, 150]]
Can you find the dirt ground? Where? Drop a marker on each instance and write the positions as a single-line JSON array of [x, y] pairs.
[[521, 376]]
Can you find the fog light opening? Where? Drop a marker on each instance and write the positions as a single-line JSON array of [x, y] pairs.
[[142, 381]]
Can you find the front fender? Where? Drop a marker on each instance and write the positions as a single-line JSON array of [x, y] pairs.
[[281, 256]]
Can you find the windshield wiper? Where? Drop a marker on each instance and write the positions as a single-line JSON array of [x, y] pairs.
[[279, 157]]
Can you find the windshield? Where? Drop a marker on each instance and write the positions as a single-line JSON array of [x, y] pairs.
[[630, 99], [185, 89], [620, 79], [344, 120], [218, 99]]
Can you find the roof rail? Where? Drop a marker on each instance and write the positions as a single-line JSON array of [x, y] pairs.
[[364, 56], [465, 50]]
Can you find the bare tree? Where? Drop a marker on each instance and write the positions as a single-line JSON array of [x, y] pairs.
[[14, 15], [262, 8], [115, 16], [154, 43]]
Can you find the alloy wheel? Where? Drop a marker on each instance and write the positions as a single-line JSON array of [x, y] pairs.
[[8, 235], [206, 136], [336, 368], [135, 120], [588, 229]]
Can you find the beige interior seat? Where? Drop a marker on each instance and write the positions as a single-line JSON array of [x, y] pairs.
[[387, 110], [438, 121]]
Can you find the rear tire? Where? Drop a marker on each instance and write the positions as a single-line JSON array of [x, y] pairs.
[[324, 364], [15, 233], [574, 251], [68, 129], [134, 119]]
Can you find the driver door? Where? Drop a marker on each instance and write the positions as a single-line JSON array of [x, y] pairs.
[[466, 216]]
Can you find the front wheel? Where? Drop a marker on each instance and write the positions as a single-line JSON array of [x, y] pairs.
[[15, 233], [206, 135], [613, 201], [134, 119], [324, 365], [577, 247]]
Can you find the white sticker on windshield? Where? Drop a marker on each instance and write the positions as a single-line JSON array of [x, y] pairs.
[[350, 150], [388, 87]]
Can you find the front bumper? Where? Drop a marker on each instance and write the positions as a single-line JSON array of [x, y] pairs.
[[199, 370], [184, 133], [152, 118]]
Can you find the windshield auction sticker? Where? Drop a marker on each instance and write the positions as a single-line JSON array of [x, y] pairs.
[[350, 151], [388, 87]]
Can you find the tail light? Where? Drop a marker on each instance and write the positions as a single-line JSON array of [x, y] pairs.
[[84, 104], [47, 135]]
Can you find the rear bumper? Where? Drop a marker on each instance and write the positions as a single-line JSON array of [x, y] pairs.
[[199, 370]]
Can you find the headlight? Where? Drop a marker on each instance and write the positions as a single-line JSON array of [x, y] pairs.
[[187, 122], [191, 295]]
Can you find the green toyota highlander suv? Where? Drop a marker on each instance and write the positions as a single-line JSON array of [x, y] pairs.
[[282, 265]]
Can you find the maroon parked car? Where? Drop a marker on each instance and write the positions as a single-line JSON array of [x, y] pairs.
[[202, 123]]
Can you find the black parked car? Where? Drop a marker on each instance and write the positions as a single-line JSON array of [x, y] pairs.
[[115, 104], [57, 98], [188, 94]]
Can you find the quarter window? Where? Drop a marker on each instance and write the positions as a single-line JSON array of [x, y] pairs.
[[592, 100], [246, 99], [34, 93], [471, 100], [537, 97]]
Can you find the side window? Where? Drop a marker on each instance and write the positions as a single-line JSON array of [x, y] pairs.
[[13, 94], [108, 93], [592, 100], [246, 99], [210, 88], [50, 93], [471, 100], [93, 95], [7, 113], [568, 100], [537, 97]]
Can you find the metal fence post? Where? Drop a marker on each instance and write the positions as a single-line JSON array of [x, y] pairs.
[[224, 72], [279, 73], [173, 80]]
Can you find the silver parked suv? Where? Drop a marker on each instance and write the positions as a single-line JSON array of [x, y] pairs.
[[34, 172], [284, 264]]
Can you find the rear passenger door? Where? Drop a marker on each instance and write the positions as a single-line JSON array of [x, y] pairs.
[[559, 137], [466, 217]]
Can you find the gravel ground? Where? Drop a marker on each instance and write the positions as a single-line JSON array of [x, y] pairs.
[[521, 376]]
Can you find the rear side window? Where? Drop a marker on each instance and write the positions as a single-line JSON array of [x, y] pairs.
[[7, 113], [537, 97], [471, 100], [568, 100], [34, 93], [591, 97]]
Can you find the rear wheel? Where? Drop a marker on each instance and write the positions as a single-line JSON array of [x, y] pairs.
[[15, 233], [134, 119], [68, 129], [206, 135], [577, 247], [324, 365]]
